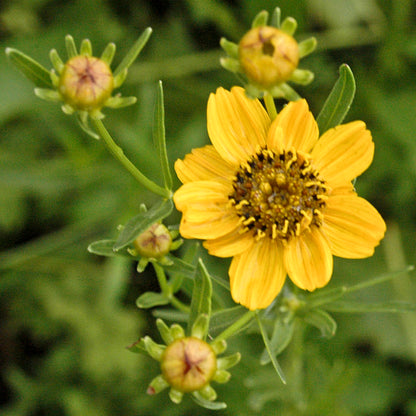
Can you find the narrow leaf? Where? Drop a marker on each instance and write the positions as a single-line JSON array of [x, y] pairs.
[[181, 267], [267, 345], [281, 336], [159, 136], [338, 102], [224, 318], [105, 248], [141, 222], [134, 51], [33, 70], [321, 320], [359, 307], [151, 299], [201, 295]]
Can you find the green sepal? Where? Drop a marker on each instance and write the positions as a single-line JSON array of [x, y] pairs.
[[71, 48], [134, 51], [230, 64], [275, 19], [175, 395], [177, 331], [159, 136], [82, 119], [201, 401], [338, 102], [154, 350], [164, 331], [281, 336], [120, 102], [221, 376], [68, 109], [86, 47], [47, 94], [230, 361], [219, 346], [289, 26], [321, 320], [302, 76], [268, 347], [200, 327], [141, 222], [230, 48], [151, 299], [120, 78], [157, 385], [307, 46], [260, 19], [108, 53], [142, 264], [105, 248], [30, 68], [208, 393], [56, 61], [359, 307], [138, 347], [201, 295]]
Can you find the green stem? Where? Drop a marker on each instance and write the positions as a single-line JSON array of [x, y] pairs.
[[179, 305], [118, 153], [236, 326], [270, 106]]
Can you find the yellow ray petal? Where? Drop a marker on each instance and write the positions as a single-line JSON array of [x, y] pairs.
[[230, 244], [236, 124], [202, 164], [206, 212], [257, 275], [343, 153], [298, 125], [353, 226], [308, 260]]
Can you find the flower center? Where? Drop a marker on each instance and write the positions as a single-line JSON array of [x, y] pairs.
[[278, 195]]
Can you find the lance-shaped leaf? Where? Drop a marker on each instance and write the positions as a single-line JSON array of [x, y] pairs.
[[151, 299], [224, 318], [141, 222], [105, 248], [321, 320], [201, 295], [359, 307], [281, 336], [159, 137], [268, 347], [33, 70], [338, 102]]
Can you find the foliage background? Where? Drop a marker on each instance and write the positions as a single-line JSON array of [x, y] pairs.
[[67, 315]]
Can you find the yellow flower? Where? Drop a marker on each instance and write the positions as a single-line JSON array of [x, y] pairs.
[[274, 197]]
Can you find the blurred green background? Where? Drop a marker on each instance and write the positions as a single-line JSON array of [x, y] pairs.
[[67, 315]]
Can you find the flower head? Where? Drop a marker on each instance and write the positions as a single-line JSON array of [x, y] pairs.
[[274, 197], [188, 363]]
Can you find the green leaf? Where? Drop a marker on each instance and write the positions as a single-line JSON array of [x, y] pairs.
[[338, 102], [133, 52], [179, 266], [141, 222], [268, 347], [224, 318], [105, 248], [321, 320], [201, 295], [281, 336], [359, 307], [33, 70], [159, 137], [151, 299], [190, 255], [206, 403]]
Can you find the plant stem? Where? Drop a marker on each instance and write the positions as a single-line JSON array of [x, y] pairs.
[[270, 106], [236, 326], [118, 153]]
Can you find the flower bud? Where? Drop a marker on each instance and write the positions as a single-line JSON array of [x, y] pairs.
[[86, 82], [155, 242], [188, 364], [268, 56]]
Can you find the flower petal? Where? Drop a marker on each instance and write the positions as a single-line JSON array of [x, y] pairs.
[[308, 260], [206, 212], [202, 164], [353, 226], [230, 244], [343, 153], [237, 125], [298, 125], [257, 275]]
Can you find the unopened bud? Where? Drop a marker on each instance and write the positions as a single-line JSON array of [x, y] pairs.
[[86, 83], [155, 242], [268, 56], [188, 364]]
